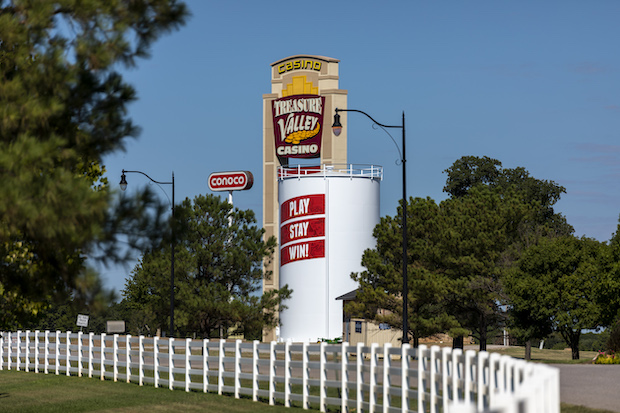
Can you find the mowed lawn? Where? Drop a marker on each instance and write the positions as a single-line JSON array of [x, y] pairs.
[[547, 356], [40, 393]]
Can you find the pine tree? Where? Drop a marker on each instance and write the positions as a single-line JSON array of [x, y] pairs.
[[63, 107]]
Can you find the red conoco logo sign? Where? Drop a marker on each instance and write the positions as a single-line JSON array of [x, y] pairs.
[[231, 181]]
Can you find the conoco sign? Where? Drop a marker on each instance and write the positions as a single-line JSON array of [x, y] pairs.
[[298, 125], [231, 181]]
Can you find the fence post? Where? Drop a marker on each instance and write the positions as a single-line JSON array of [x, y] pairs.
[[19, 342], [128, 357], [68, 354], [188, 351], [220, 367], [80, 354], [205, 365], [272, 372], [344, 377], [9, 357], [304, 376], [102, 351], [255, 358], [237, 367], [57, 353], [483, 357], [422, 369], [495, 373], [36, 351], [170, 363], [115, 357], [372, 394], [287, 374], [433, 378], [1, 351], [387, 364], [405, 365], [156, 360], [47, 352], [91, 355], [457, 373], [447, 370], [468, 376], [27, 352], [141, 360], [9, 352], [359, 378], [322, 378]]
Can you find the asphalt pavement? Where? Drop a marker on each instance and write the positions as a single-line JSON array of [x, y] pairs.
[[592, 385]]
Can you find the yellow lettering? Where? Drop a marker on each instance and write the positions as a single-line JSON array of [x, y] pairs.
[[299, 65]]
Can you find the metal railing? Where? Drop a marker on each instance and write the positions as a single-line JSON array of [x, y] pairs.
[[335, 170]]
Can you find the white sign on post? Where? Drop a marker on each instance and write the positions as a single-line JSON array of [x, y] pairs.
[[82, 320]]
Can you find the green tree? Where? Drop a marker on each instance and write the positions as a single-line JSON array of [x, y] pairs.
[[564, 281], [379, 295], [63, 107], [218, 270], [470, 172], [476, 241]]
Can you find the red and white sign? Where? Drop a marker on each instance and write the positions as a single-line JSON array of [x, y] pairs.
[[231, 181], [298, 125], [302, 251], [302, 206], [300, 227], [307, 228]]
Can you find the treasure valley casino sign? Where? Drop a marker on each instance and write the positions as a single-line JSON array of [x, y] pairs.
[[298, 120]]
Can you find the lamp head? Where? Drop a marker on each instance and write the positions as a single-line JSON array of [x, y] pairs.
[[123, 183], [337, 126]]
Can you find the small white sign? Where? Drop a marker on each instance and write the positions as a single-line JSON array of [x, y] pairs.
[[82, 320]]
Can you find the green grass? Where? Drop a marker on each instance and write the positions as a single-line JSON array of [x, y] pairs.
[[548, 356], [569, 408], [31, 392], [41, 393]]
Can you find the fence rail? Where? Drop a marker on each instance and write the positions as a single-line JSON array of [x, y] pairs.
[[353, 378]]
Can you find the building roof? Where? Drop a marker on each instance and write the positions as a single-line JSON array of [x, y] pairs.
[[348, 296]]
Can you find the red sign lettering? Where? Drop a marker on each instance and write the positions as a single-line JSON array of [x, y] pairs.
[[302, 206], [302, 251], [308, 228]]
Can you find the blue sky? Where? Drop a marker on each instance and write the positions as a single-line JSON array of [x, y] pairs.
[[530, 83]]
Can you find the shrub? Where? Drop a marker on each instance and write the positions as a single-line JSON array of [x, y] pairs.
[[604, 358]]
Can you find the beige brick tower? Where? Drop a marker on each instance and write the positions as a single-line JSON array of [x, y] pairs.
[[297, 75]]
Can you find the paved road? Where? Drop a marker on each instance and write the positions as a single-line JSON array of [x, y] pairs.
[[592, 385]]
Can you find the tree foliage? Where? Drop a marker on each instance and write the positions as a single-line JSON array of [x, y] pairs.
[[379, 296], [459, 250], [63, 106], [560, 282], [218, 270]]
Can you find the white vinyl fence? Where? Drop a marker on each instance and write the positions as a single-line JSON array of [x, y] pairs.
[[354, 378]]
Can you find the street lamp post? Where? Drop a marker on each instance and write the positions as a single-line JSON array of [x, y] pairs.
[[123, 185], [337, 128]]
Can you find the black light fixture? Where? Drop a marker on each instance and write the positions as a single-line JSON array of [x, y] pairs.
[[337, 129], [123, 185], [337, 126]]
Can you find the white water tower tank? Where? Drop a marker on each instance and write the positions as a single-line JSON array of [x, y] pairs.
[[327, 215]]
